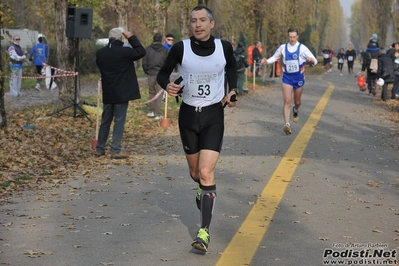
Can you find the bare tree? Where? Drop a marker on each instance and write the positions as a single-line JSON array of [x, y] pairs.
[[66, 52], [203, 2], [185, 9], [6, 18], [120, 7]]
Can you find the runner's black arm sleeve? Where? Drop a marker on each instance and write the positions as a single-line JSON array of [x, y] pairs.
[[175, 56], [231, 67]]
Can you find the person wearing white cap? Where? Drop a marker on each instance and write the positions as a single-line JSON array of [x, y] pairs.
[[17, 56], [119, 86]]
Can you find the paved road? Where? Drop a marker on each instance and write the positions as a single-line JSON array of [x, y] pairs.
[[282, 200]]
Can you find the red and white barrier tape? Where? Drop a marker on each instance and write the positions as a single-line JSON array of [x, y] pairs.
[[67, 74], [41, 77], [61, 70], [155, 97], [150, 100]]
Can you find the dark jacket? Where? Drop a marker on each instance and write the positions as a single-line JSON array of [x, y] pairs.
[[154, 59], [368, 55], [341, 56], [256, 55], [391, 53], [385, 68], [118, 75], [350, 53], [240, 51], [396, 67]]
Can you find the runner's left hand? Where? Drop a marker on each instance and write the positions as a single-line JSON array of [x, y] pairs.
[[230, 99]]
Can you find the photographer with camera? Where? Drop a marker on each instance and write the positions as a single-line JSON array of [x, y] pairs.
[[119, 86]]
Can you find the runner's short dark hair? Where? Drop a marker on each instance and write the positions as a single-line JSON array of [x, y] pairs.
[[197, 8]]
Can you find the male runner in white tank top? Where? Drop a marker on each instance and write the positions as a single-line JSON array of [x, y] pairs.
[[204, 62]]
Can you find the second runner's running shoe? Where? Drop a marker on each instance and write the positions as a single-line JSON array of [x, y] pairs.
[[295, 114]]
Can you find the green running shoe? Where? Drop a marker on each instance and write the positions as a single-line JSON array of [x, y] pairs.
[[198, 197], [202, 240]]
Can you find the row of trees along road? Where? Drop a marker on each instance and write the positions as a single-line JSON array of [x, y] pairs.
[[320, 23], [374, 16]]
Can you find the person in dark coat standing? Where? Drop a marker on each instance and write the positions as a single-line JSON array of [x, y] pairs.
[[154, 59], [372, 52], [386, 72], [242, 64], [119, 86], [257, 56], [395, 90]]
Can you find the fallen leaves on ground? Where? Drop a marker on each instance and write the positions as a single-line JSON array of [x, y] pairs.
[[59, 147]]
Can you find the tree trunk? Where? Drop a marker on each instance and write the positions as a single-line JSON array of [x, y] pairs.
[[121, 7], [184, 20], [66, 53], [203, 2], [3, 115], [164, 5]]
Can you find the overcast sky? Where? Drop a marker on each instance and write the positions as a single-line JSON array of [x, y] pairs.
[[346, 5]]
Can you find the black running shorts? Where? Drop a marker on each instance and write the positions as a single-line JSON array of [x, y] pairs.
[[201, 128]]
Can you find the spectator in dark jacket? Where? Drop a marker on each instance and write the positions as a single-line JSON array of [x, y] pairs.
[[391, 51], [385, 72], [119, 86], [154, 59], [257, 56], [395, 91], [242, 64], [372, 52]]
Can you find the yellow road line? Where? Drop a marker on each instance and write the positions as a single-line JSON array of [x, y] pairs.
[[245, 242]]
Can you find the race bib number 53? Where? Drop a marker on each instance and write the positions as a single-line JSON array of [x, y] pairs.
[[203, 86]]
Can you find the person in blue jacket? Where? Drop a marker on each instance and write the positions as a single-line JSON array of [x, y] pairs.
[[40, 52], [169, 40]]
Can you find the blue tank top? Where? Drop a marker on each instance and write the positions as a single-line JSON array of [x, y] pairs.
[[292, 65]]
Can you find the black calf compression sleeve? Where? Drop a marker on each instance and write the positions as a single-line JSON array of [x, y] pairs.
[[208, 200]]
